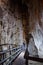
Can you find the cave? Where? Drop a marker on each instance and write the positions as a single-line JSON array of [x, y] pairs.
[[21, 24]]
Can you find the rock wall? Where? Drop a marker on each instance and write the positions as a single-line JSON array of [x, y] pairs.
[[11, 29], [33, 50]]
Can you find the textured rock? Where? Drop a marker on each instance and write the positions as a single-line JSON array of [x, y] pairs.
[[11, 29], [33, 51]]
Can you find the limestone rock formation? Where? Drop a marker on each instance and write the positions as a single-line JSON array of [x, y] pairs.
[[26, 16], [33, 51]]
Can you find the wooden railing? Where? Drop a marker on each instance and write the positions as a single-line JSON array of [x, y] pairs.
[[35, 59], [6, 44], [12, 56], [27, 57]]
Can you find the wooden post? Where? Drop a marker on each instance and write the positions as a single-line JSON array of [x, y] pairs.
[[10, 54], [3, 56], [26, 56]]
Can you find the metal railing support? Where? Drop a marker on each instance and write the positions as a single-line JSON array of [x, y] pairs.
[[26, 56], [11, 57]]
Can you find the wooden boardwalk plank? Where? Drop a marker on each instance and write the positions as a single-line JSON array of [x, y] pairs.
[[20, 60]]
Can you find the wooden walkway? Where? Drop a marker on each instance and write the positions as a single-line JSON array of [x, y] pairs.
[[20, 60]]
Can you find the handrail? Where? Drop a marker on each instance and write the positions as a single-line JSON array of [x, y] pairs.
[[12, 56], [27, 57], [6, 44], [5, 51], [9, 57], [35, 59]]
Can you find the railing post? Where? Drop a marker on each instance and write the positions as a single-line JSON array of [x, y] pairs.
[[3, 56], [9, 51], [10, 54], [26, 56]]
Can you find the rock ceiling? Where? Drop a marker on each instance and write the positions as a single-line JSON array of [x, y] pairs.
[[30, 12]]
